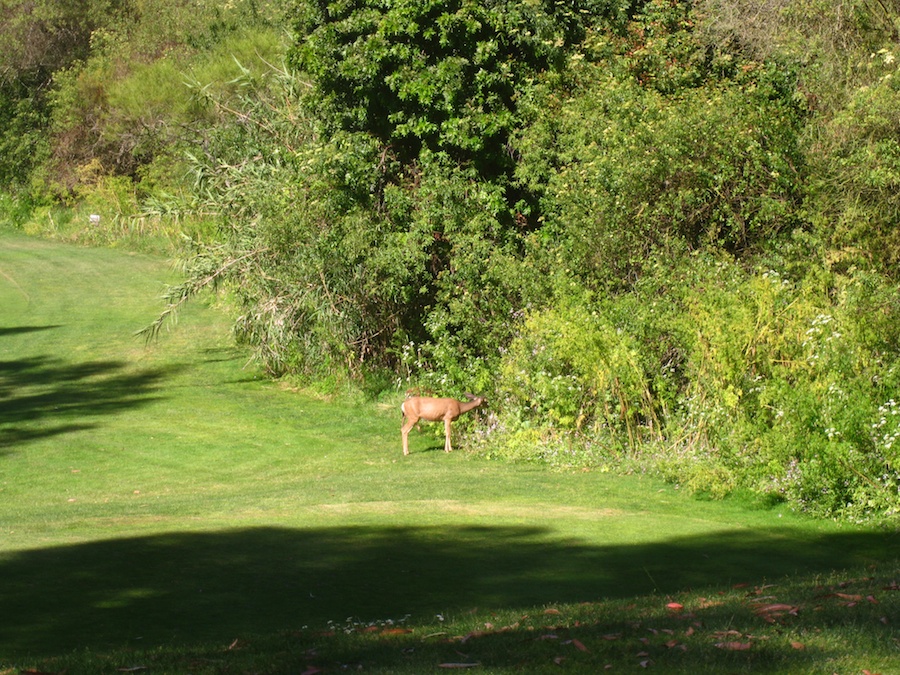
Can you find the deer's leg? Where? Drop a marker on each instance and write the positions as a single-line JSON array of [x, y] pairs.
[[447, 446], [404, 432]]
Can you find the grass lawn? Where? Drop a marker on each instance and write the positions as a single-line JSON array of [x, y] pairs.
[[165, 509]]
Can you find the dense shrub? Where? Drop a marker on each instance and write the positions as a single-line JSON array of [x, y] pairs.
[[85, 81], [572, 369], [635, 170], [717, 378], [407, 251], [858, 171]]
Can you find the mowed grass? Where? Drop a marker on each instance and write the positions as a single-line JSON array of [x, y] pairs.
[[165, 509]]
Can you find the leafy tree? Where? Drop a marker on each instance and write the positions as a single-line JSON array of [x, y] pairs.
[[663, 143], [435, 75], [37, 39], [407, 235]]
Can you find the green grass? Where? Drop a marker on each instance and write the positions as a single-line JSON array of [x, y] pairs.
[[165, 508]]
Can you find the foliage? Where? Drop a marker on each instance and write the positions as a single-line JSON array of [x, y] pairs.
[[626, 169], [573, 370], [42, 36], [22, 146], [859, 171], [104, 81], [434, 75], [405, 252], [718, 378]]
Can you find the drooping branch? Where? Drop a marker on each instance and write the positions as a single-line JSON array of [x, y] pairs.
[[177, 296]]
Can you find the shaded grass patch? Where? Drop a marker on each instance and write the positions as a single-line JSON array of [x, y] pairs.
[[506, 597]]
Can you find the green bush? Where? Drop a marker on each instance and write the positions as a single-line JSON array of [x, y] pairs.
[[858, 172], [717, 166], [127, 115], [785, 385], [571, 369]]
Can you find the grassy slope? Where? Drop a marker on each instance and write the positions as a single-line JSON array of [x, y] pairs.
[[164, 497]]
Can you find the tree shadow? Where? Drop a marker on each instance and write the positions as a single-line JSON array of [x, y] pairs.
[[19, 330], [46, 396], [187, 588]]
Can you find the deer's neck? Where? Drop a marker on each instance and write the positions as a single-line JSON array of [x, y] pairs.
[[468, 405]]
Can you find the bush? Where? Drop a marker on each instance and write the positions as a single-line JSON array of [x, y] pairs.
[[573, 370], [435, 76], [719, 379], [125, 114], [717, 166], [858, 173]]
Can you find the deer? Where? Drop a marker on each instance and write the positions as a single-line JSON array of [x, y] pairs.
[[417, 408]]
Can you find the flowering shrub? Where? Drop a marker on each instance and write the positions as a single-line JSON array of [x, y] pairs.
[[574, 371]]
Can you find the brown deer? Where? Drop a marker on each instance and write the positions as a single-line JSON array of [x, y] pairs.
[[430, 409]]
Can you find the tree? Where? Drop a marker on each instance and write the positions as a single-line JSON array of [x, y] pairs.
[[435, 75]]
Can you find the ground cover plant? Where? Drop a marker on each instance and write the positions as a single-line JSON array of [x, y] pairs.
[[167, 509]]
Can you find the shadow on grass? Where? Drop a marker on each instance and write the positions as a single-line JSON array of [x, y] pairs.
[[189, 588], [46, 396], [19, 330]]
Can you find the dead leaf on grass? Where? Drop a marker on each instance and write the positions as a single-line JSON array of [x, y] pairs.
[[734, 646], [760, 589], [774, 611], [775, 607], [396, 631], [726, 633], [482, 633]]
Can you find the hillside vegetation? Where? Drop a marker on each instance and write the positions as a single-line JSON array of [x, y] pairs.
[[658, 235]]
